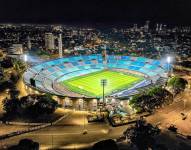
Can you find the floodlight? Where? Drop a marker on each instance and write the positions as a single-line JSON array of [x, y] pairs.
[[169, 59], [25, 58]]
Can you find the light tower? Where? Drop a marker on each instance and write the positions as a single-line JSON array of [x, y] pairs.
[[103, 84], [60, 45], [58, 31]]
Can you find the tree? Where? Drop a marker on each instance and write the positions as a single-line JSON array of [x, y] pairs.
[[14, 77], [105, 144], [142, 135], [25, 144], [7, 62], [177, 84], [19, 66], [11, 106], [1, 54], [45, 105], [30, 106], [140, 102], [37, 106], [14, 93], [160, 96], [151, 99]]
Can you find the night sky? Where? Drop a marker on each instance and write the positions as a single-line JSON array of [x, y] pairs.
[[95, 11]]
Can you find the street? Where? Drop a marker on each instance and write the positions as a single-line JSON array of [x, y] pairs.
[[171, 114], [68, 134]]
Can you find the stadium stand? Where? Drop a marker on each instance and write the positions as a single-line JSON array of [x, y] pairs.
[[49, 73]]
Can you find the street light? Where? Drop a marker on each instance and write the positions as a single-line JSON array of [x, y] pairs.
[[103, 84]]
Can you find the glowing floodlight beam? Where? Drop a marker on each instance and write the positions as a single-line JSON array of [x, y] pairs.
[[169, 61], [25, 58]]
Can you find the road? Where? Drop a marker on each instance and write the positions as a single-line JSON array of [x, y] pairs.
[[68, 134], [171, 114]]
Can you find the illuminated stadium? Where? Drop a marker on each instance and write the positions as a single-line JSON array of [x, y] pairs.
[[81, 76]]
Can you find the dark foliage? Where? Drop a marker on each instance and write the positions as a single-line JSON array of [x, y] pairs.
[[32, 106], [106, 144], [11, 107], [186, 64], [177, 84], [5, 84], [7, 62], [151, 99], [25, 144], [142, 135]]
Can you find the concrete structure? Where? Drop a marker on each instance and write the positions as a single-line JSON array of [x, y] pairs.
[[60, 46], [49, 41], [16, 49], [29, 45]]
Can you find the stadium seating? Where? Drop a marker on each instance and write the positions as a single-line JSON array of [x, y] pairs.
[[49, 72]]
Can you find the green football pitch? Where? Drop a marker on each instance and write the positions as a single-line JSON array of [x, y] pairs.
[[90, 84]]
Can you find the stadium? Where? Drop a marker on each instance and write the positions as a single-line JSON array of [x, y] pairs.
[[81, 76]]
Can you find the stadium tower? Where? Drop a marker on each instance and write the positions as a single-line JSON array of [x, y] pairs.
[[60, 45], [58, 31]]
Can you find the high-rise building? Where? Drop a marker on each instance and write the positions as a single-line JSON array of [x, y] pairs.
[[49, 41], [60, 46], [157, 27], [29, 43], [16, 49], [146, 27], [56, 28], [135, 27], [160, 28]]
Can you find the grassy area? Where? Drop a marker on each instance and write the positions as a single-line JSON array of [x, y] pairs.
[[90, 85]]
